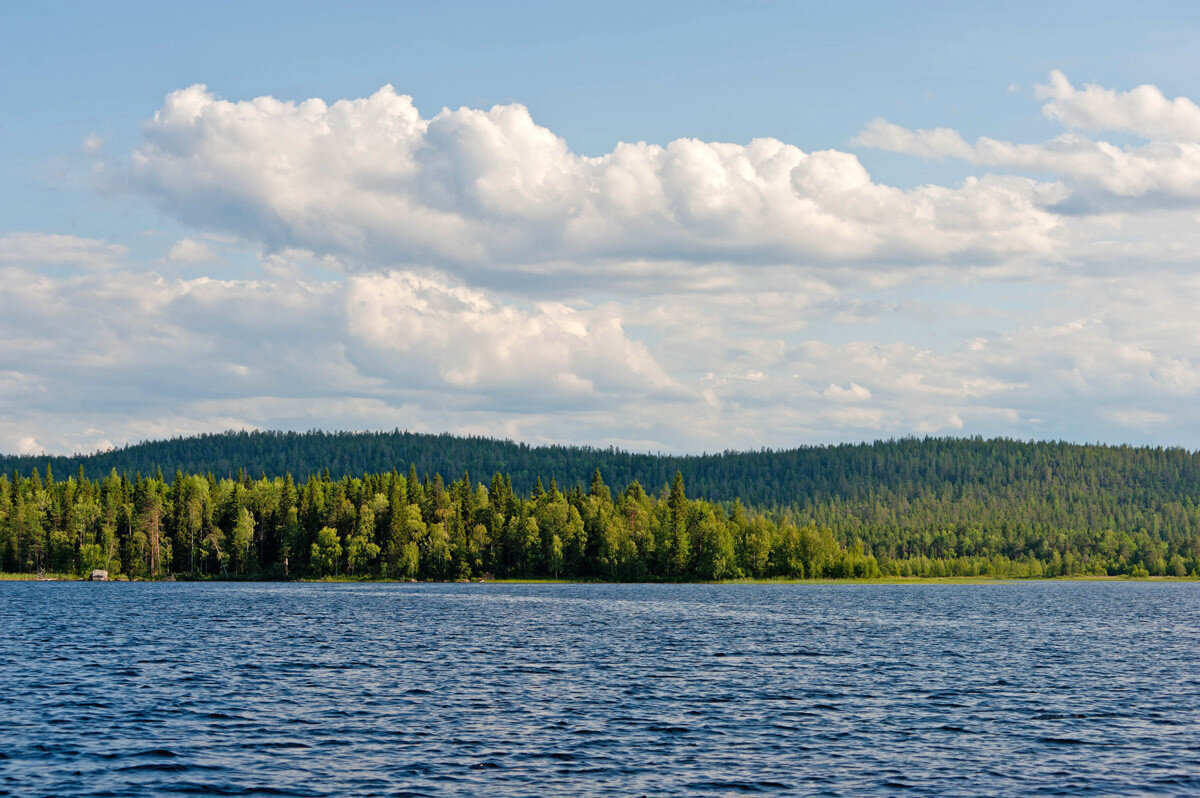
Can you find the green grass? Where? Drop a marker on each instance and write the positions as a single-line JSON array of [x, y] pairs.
[[34, 577]]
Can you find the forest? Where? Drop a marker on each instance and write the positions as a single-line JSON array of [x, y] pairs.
[[855, 472], [397, 525]]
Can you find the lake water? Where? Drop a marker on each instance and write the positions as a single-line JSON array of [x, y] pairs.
[[304, 689]]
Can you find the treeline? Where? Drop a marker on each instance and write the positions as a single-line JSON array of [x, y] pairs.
[[918, 486], [403, 526]]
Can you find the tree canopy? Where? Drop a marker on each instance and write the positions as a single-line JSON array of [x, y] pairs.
[[413, 526]]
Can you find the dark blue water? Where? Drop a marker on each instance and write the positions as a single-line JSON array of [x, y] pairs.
[[250, 689]]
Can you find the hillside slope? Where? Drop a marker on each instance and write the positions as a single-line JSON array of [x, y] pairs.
[[895, 472]]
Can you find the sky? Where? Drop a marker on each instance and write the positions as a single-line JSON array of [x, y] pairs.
[[675, 227]]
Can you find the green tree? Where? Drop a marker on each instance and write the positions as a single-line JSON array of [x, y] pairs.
[[716, 559], [91, 557], [556, 556], [326, 552], [240, 537]]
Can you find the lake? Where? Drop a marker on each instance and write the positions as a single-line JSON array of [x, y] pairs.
[[1022, 688]]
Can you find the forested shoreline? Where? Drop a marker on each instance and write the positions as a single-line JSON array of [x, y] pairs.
[[395, 525]]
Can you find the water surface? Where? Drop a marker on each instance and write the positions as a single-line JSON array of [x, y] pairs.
[[322, 689]]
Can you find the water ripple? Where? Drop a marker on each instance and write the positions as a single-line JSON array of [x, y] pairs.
[[445, 690]]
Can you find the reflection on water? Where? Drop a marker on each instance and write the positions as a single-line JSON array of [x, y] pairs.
[[300, 689]]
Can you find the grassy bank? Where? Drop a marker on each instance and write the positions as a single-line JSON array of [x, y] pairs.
[[4, 577]]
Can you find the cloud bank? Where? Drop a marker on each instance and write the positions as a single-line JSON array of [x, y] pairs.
[[472, 189]]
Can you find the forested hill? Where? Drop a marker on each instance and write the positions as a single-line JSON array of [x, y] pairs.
[[948, 468], [932, 507]]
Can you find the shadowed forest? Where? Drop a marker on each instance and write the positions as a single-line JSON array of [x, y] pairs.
[[928, 508]]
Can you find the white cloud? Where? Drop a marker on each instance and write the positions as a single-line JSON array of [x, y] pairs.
[[1165, 168], [190, 252], [164, 355], [1137, 419], [936, 144], [461, 338], [1143, 111], [479, 191], [854, 393], [468, 272], [130, 343], [48, 249], [1161, 168]]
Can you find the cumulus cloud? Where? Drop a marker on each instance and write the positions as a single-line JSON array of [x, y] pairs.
[[463, 338], [1144, 111], [1167, 167], [469, 272], [485, 189]]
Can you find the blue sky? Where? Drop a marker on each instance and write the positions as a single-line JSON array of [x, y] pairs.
[[905, 283]]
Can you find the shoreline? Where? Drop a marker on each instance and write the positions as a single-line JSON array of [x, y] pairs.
[[781, 582]]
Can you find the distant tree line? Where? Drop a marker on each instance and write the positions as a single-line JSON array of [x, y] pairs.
[[928, 485], [406, 526]]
